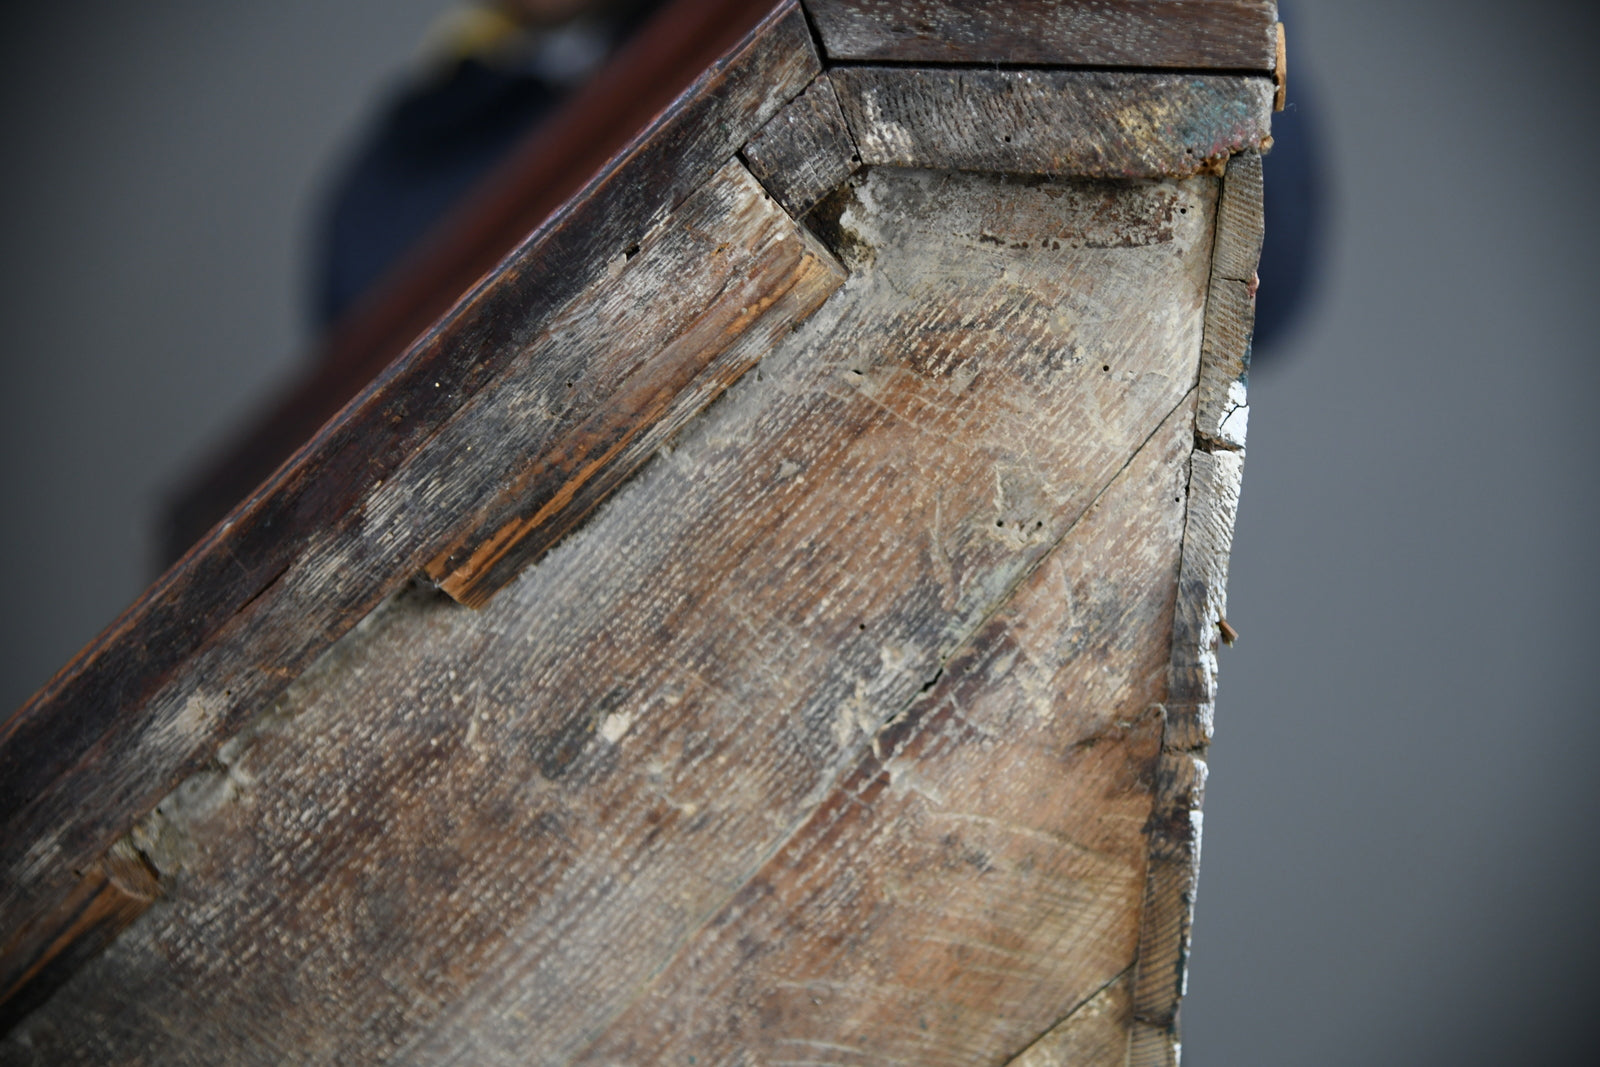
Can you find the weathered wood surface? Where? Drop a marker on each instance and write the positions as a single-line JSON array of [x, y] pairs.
[[936, 533], [805, 152], [1216, 468], [1208, 34], [1107, 124], [678, 317], [602, 120]]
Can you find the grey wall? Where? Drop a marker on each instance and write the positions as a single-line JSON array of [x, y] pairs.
[[159, 166], [1401, 826], [1400, 829]]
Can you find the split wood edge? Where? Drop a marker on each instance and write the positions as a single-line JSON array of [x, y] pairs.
[[1216, 466]]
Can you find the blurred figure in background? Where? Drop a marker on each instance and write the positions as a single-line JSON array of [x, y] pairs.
[[493, 72]]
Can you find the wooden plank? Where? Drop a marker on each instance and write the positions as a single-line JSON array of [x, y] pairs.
[[1231, 307], [981, 867], [560, 792], [805, 152], [755, 274], [1211, 34], [602, 120], [1104, 124]]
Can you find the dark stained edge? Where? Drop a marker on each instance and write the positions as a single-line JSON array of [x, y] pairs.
[[62, 735], [1197, 629], [549, 167], [1212, 34], [1093, 124]]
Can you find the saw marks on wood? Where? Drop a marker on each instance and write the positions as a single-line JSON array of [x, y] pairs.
[[899, 544]]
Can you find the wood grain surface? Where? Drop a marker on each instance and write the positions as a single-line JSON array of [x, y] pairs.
[[1107, 124], [1208, 34], [935, 533], [1096, 1032], [590, 389], [805, 152]]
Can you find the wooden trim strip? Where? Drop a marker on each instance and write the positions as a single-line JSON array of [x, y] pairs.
[[1211, 34], [77, 765], [1093, 124], [1216, 467]]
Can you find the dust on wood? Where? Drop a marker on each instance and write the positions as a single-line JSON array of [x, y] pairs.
[[1108, 124], [686, 316], [1216, 34], [473, 834], [586, 400]]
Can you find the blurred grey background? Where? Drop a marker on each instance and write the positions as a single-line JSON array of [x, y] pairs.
[[1400, 846]]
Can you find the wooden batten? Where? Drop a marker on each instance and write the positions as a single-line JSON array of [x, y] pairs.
[[843, 485]]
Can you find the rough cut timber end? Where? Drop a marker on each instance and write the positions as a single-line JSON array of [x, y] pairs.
[[845, 482]]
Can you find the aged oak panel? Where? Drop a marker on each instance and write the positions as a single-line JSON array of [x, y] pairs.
[[979, 870], [66, 734], [523, 814]]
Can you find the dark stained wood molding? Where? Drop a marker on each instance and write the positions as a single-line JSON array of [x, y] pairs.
[[77, 738], [1184, 34], [1199, 622]]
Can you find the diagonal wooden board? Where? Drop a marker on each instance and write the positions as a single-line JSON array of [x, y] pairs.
[[911, 533]]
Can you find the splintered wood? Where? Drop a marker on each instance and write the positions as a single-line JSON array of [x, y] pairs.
[[834, 737]]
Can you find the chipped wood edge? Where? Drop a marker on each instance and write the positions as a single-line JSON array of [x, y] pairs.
[[806, 151], [1280, 68], [112, 893], [1199, 624]]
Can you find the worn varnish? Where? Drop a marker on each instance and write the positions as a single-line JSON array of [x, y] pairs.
[[1208, 34], [71, 776], [906, 546], [1096, 123]]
